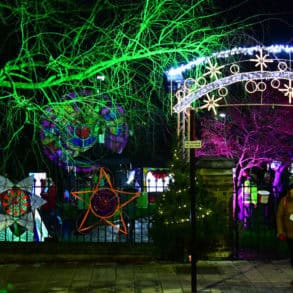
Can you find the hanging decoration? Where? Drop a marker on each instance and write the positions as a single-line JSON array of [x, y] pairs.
[[105, 203], [72, 127], [18, 207]]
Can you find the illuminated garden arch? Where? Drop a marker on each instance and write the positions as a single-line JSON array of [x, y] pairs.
[[204, 83], [256, 67]]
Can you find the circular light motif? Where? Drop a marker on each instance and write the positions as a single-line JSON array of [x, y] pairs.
[[275, 83], [282, 66], [201, 81], [190, 83], [223, 91], [180, 94], [251, 86], [261, 86], [104, 203], [15, 202], [234, 69]]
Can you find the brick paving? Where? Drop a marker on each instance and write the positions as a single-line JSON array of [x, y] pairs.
[[150, 277]]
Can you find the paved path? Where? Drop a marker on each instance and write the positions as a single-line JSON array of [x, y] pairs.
[[83, 277]]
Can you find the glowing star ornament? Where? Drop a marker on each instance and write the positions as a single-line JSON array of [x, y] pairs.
[[211, 103], [213, 70], [104, 203], [18, 203], [261, 60], [288, 90]]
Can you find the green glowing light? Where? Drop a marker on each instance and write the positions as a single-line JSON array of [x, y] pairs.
[[61, 48]]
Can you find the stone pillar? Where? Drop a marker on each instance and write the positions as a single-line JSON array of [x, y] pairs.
[[215, 176]]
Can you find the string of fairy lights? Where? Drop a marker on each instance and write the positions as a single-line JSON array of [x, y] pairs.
[[250, 51]]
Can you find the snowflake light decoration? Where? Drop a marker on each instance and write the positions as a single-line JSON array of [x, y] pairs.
[[288, 91], [213, 70], [261, 60], [211, 103]]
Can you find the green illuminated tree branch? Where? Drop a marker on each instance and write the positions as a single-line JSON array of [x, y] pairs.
[[51, 48]]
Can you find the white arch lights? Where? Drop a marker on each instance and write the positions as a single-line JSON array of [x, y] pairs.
[[221, 83], [273, 49], [272, 63]]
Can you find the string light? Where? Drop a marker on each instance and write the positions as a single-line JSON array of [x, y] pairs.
[[226, 81], [201, 86], [274, 49]]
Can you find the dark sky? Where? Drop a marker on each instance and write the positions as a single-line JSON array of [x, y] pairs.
[[275, 18]]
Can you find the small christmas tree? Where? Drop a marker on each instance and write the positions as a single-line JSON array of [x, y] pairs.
[[172, 229]]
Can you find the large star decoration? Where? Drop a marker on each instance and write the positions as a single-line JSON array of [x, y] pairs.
[[104, 203], [18, 203]]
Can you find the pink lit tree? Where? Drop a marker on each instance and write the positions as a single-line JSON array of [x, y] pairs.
[[252, 135]]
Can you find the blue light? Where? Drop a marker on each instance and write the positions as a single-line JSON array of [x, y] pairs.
[[275, 49]]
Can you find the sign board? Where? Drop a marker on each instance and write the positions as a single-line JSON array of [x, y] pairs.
[[192, 144]]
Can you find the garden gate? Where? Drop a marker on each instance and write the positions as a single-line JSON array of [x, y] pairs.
[[204, 83]]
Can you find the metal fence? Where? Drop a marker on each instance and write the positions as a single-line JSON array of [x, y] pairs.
[[51, 212], [67, 218], [255, 229]]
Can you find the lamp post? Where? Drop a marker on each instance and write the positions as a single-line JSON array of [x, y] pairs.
[[192, 192]]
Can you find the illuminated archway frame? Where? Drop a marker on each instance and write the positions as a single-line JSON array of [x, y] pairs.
[[211, 85]]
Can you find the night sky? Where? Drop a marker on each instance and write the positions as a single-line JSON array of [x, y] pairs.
[[275, 18]]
